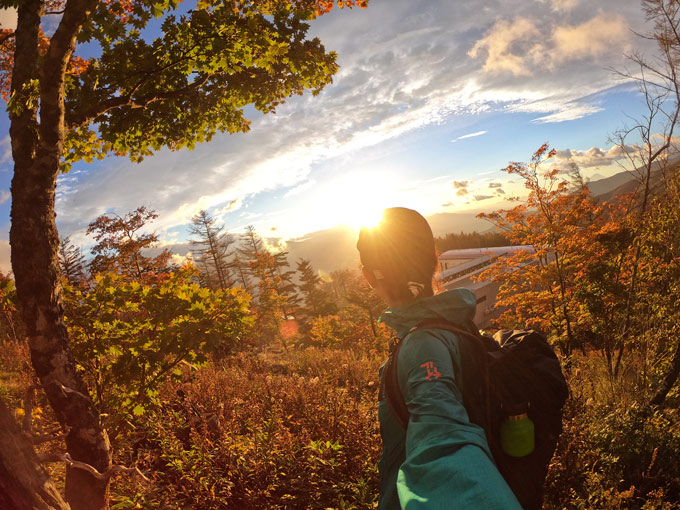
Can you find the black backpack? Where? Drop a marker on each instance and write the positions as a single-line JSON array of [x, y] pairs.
[[514, 368]]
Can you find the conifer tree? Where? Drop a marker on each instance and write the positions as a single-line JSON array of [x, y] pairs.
[[241, 270], [246, 259], [270, 270], [212, 249], [285, 285], [72, 262], [316, 300], [251, 244]]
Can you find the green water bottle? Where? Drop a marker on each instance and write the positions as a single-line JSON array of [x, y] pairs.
[[517, 432]]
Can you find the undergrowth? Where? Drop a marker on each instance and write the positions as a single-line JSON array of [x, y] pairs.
[[298, 430]]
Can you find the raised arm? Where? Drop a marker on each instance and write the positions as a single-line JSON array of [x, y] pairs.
[[448, 463]]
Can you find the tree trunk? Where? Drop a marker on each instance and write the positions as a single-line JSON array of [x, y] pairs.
[[37, 150], [24, 485], [668, 381]]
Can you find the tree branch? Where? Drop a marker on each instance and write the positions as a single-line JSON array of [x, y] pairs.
[[116, 468], [78, 120], [53, 73], [5, 37]]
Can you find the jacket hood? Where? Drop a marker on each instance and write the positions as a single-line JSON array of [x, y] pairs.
[[456, 305]]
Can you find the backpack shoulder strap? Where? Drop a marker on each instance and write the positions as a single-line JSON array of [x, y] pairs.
[[389, 385], [474, 354]]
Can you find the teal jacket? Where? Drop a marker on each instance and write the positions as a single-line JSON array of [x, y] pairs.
[[442, 461]]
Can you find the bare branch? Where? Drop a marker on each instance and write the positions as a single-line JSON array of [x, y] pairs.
[[117, 468], [67, 391]]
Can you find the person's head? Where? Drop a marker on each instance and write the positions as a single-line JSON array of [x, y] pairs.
[[398, 256]]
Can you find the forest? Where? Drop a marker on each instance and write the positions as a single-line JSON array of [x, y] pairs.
[[239, 378]]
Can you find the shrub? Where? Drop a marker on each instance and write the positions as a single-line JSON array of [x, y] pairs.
[[236, 436]]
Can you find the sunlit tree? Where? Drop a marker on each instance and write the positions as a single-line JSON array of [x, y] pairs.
[[173, 86]]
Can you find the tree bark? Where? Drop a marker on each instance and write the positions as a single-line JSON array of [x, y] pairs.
[[37, 150], [668, 381], [24, 485]]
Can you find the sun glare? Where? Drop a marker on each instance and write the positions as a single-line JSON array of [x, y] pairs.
[[358, 201]]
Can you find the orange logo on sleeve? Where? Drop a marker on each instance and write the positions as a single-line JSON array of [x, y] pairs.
[[432, 372]]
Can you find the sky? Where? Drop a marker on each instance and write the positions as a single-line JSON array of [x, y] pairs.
[[433, 98]]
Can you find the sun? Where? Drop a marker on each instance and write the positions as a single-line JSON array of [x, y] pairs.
[[366, 215], [357, 200]]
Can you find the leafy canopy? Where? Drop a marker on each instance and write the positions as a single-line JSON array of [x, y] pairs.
[[128, 337], [178, 88]]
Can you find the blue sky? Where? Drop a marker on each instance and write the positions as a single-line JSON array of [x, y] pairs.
[[433, 98]]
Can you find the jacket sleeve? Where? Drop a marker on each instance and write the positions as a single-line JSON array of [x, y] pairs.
[[448, 464]]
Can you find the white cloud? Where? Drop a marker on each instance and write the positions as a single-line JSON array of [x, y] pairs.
[[569, 112], [179, 260], [233, 205], [562, 5], [522, 47], [471, 135], [5, 150], [506, 45], [404, 67], [4, 196], [299, 189], [593, 157], [597, 36]]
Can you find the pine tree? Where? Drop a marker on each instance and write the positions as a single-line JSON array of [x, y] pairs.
[[241, 270], [246, 260], [251, 244], [212, 250], [270, 270], [285, 286], [316, 300], [72, 262]]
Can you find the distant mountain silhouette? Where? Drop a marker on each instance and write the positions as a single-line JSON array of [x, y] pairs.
[[327, 250], [335, 248], [627, 182], [606, 186], [446, 223]]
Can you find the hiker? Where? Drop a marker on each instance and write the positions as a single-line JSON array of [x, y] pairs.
[[441, 460]]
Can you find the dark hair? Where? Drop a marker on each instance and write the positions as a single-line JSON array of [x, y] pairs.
[[402, 247]]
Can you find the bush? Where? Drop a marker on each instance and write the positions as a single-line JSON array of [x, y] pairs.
[[237, 436], [614, 453]]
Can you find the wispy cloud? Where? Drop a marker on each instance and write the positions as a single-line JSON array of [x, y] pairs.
[[405, 66], [471, 135], [572, 112], [299, 189]]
